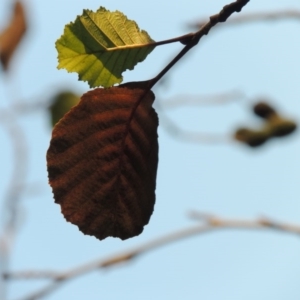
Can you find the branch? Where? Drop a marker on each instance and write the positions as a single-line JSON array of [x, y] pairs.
[[221, 98], [260, 16], [259, 223], [17, 182], [14, 190], [192, 39], [209, 223], [194, 137]]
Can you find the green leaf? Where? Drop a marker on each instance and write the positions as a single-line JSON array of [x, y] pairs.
[[101, 45], [61, 103]]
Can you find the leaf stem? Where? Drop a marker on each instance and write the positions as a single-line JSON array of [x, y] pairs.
[[182, 39], [192, 39], [189, 40]]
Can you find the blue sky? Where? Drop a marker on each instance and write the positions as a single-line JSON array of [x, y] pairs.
[[258, 59]]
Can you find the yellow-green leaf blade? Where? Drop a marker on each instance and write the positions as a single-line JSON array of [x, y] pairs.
[[101, 45]]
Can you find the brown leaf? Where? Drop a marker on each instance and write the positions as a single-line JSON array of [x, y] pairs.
[[12, 35], [102, 162]]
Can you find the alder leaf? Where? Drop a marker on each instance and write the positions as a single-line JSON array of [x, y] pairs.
[[12, 35], [102, 162], [61, 103], [101, 45]]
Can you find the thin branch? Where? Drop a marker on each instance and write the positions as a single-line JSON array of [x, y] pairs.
[[189, 40], [256, 17], [184, 39], [194, 137], [189, 136], [208, 223], [17, 182], [221, 98], [260, 223], [32, 275], [29, 107], [193, 39], [15, 188]]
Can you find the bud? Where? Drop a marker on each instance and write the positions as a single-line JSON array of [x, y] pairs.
[[263, 110], [281, 127], [252, 138]]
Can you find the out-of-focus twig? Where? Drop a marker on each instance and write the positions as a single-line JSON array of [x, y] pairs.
[[23, 107], [32, 275], [259, 223], [216, 99], [290, 14], [208, 223], [194, 137], [14, 190]]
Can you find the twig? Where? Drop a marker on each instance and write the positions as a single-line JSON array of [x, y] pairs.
[[26, 107], [18, 177], [260, 16], [209, 223], [260, 223], [189, 136], [182, 100], [221, 98], [189, 40], [32, 275], [15, 188], [193, 39]]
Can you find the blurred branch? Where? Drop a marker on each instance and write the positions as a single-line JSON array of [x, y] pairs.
[[256, 17], [195, 137], [215, 99], [14, 190], [189, 136], [32, 275], [25, 107], [260, 223], [19, 147], [208, 223]]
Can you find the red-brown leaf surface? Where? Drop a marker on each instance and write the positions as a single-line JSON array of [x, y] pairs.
[[102, 162], [12, 35]]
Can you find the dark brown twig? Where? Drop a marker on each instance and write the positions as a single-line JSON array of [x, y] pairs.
[[189, 40], [193, 39]]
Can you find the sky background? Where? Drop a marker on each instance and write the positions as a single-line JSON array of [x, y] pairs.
[[258, 59]]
